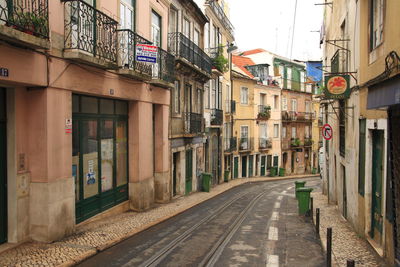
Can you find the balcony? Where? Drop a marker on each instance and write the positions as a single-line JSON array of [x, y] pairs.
[[293, 116], [181, 47], [25, 23], [308, 141], [164, 69], [90, 35], [193, 123], [217, 117], [264, 143], [230, 144], [127, 63], [219, 12], [246, 144], [230, 107], [295, 142], [264, 112]]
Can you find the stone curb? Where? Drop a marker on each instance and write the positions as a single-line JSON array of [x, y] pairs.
[[233, 183]]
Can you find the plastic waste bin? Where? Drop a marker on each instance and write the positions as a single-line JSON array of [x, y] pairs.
[[226, 176], [281, 172], [206, 180], [304, 199], [298, 184], [273, 171]]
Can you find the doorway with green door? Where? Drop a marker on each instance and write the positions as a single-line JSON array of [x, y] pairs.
[[99, 154], [189, 171], [378, 149], [3, 167]]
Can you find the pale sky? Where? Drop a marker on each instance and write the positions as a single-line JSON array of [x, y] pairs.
[[268, 24]]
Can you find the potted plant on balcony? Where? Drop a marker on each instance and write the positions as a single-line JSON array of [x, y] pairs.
[[220, 62], [265, 113], [29, 22], [296, 142]]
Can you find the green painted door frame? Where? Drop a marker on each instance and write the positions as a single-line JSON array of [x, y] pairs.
[[189, 171], [263, 162], [377, 175], [251, 159], [3, 169], [235, 167]]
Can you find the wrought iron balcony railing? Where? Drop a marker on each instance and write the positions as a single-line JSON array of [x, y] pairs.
[[127, 41], [29, 16], [217, 117], [246, 144], [230, 144], [265, 143], [219, 12], [193, 123], [164, 69], [297, 116], [181, 46], [308, 141], [264, 112], [90, 30]]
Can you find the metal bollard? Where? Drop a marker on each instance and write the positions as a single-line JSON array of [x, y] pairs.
[[312, 207], [351, 263], [329, 247], [317, 221]]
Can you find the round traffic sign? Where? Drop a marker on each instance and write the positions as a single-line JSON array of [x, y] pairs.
[[327, 132]]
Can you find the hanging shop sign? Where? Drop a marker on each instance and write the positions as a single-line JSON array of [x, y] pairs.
[[337, 87], [146, 53]]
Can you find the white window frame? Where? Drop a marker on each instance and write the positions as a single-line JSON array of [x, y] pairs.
[[263, 127], [289, 78], [126, 6], [276, 102], [294, 132], [377, 20], [284, 132], [155, 29], [293, 105], [284, 104], [276, 130], [244, 97]]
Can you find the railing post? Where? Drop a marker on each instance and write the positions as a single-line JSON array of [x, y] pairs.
[[329, 247]]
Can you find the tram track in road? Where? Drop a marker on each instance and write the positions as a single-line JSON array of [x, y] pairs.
[[213, 255]]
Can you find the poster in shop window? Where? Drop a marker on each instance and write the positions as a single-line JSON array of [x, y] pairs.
[[90, 171], [107, 150]]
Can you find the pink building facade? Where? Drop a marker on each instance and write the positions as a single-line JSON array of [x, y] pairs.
[[83, 123]]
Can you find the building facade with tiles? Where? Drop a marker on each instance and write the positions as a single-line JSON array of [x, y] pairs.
[[83, 123]]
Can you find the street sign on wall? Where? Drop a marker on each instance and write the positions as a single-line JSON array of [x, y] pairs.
[[146, 53], [327, 132], [337, 87]]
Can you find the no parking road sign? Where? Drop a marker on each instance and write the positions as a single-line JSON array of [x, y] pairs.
[[327, 132]]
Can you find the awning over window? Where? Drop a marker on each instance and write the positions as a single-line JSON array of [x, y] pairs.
[[384, 94]]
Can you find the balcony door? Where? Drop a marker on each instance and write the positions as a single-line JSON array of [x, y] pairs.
[[244, 137], [127, 22]]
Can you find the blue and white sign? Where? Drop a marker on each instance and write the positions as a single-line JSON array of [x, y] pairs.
[[146, 53]]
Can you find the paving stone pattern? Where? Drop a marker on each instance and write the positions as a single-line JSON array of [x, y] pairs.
[[96, 236], [346, 244]]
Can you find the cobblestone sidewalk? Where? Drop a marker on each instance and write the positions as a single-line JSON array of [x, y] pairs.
[[346, 244], [99, 235]]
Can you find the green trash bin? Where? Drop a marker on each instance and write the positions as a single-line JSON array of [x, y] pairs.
[[273, 171], [304, 199], [298, 184], [226, 176], [206, 181], [281, 172]]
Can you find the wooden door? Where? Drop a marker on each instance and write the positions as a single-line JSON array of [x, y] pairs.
[[189, 171], [3, 165], [263, 161]]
